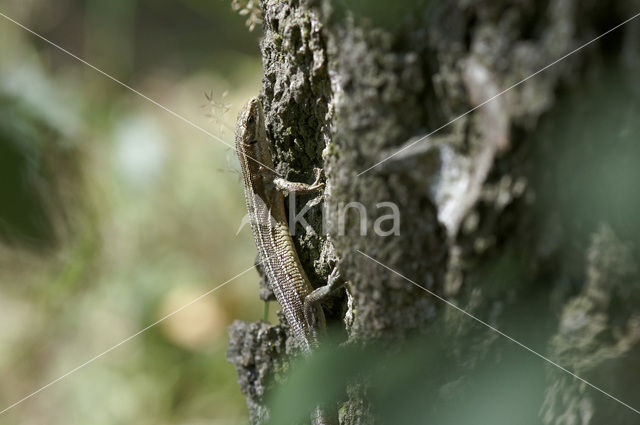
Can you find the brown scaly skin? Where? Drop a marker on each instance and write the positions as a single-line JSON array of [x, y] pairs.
[[268, 218]]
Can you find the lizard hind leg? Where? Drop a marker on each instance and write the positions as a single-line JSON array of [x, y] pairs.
[[312, 307]]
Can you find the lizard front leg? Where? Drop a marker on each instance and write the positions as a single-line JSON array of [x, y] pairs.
[[302, 188]]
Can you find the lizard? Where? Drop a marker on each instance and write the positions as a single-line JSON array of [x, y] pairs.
[[276, 250]]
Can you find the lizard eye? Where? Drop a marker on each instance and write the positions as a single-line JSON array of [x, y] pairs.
[[253, 142], [252, 120]]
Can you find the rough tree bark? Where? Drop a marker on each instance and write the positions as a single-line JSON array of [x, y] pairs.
[[488, 195]]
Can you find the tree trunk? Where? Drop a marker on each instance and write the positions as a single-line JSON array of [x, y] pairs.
[[519, 209]]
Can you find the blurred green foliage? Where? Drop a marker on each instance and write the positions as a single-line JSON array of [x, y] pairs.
[[19, 172], [114, 214], [420, 381]]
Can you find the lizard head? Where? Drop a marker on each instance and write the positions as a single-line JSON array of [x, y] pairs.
[[250, 127], [251, 143]]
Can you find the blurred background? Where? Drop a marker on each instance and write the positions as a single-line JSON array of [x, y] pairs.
[[114, 213]]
